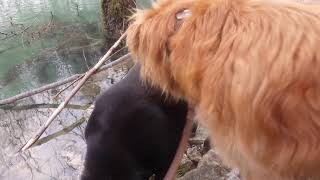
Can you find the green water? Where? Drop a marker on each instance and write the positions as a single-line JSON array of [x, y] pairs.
[[144, 3], [42, 41]]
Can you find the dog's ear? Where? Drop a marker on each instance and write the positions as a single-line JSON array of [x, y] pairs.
[[151, 29], [149, 38]]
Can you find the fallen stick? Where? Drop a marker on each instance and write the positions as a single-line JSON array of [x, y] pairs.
[[69, 85], [73, 92], [59, 83], [62, 132], [38, 90], [41, 106], [65, 130]]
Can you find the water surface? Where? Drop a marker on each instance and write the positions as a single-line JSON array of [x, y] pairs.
[[46, 40]]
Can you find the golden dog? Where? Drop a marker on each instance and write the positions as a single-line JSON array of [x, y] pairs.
[[252, 70]]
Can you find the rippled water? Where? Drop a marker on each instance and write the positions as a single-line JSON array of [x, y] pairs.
[[46, 40]]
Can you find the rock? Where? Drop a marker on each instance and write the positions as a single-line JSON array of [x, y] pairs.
[[203, 173], [206, 146], [200, 139], [200, 135], [211, 167], [185, 166], [234, 174], [90, 89], [210, 158], [194, 154], [73, 159]]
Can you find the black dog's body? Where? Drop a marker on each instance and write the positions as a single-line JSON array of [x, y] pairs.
[[133, 132]]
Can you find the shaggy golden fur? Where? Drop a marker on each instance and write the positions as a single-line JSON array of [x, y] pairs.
[[252, 70]]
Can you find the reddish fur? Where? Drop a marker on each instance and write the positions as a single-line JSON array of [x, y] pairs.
[[252, 70]]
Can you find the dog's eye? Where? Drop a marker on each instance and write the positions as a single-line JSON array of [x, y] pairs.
[[183, 14]]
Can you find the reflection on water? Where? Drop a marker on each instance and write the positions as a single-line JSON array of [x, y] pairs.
[[46, 40]]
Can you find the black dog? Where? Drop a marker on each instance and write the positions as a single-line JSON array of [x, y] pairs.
[[133, 132]]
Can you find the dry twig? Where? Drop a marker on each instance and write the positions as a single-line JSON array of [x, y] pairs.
[[65, 130], [38, 90], [41, 106], [60, 83], [73, 92], [62, 132], [71, 84], [121, 58]]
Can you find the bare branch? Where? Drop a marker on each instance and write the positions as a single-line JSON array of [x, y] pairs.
[[39, 90], [41, 106], [55, 96], [85, 58], [60, 83], [59, 133], [15, 34], [71, 84], [73, 92]]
